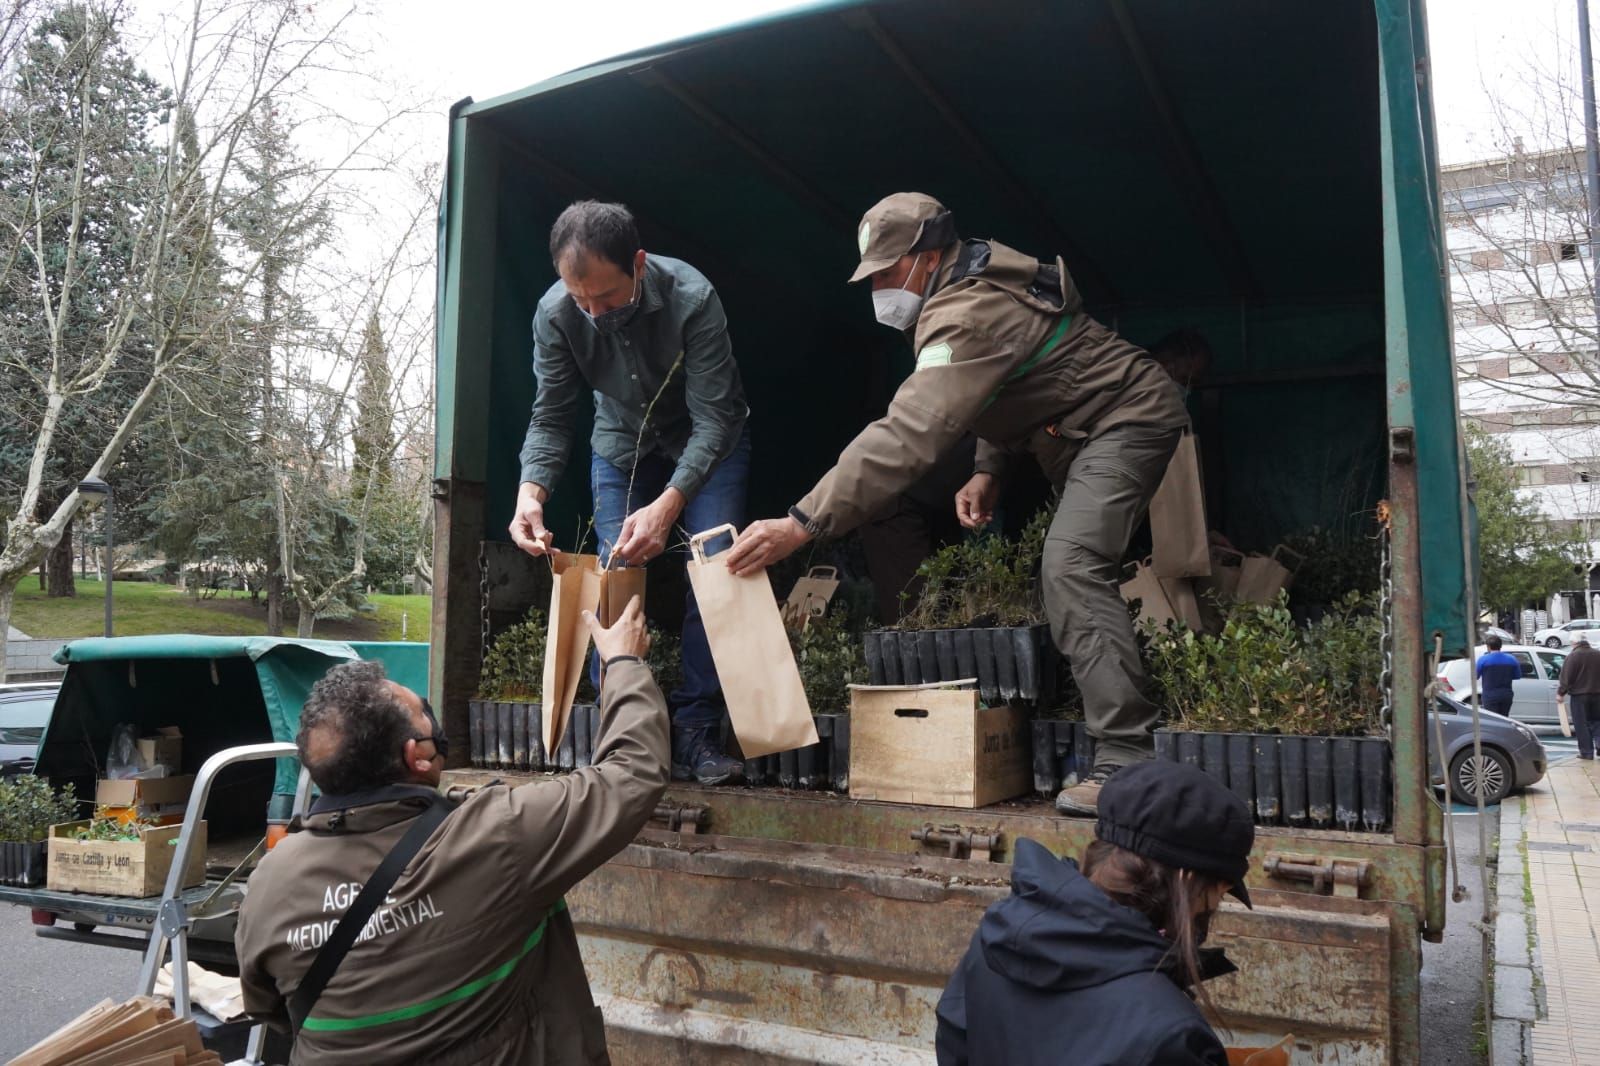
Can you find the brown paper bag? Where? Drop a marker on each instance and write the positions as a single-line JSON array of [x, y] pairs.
[[1262, 577], [1180, 546], [1566, 719], [810, 596], [1163, 599], [574, 588], [760, 681], [1185, 605], [1144, 586]]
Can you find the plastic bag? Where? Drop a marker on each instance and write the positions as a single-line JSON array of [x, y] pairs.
[[122, 758]]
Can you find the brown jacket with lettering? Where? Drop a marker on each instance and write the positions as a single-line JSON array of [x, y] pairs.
[[1005, 351], [472, 958]]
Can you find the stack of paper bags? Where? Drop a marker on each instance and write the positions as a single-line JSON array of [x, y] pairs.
[[140, 1032]]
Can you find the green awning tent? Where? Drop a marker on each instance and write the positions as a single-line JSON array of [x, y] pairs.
[[220, 691], [1262, 172]]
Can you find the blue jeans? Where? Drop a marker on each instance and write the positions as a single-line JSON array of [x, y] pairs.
[[720, 501]]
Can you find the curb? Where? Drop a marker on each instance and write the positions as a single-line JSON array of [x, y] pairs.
[[1516, 962]]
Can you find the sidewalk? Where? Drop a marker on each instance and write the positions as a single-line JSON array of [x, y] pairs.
[[1557, 840]]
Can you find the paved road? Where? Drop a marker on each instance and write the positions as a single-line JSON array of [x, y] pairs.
[[44, 983], [1452, 971]]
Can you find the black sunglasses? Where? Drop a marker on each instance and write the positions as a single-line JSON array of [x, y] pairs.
[[441, 742]]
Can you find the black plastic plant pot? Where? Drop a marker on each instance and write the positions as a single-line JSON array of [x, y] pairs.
[[1346, 783], [475, 731], [944, 652], [872, 645], [1269, 778], [806, 766], [1214, 755], [1241, 772], [755, 772], [1065, 767], [487, 732], [839, 758], [983, 649], [505, 736], [519, 736], [1005, 662], [567, 747], [1292, 774], [910, 664], [788, 769], [1166, 745], [1376, 783], [587, 722], [1082, 750], [928, 656], [1046, 773], [23, 864], [821, 753], [536, 754], [1319, 781], [1189, 749], [966, 654], [1029, 655]]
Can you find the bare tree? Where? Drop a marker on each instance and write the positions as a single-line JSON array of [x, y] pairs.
[[226, 57]]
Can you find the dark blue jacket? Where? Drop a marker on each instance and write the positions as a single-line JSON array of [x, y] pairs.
[[1058, 973], [1496, 671]]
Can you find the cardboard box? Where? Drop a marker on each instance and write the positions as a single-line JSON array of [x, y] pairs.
[[927, 744], [149, 796], [163, 749], [121, 867]]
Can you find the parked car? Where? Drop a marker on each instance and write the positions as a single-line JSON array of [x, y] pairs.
[[1512, 757], [1533, 696], [1563, 635], [24, 712]]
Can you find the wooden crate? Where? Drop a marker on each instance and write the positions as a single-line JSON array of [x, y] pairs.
[[118, 867], [926, 744]]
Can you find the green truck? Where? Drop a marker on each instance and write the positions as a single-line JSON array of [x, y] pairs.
[[1264, 173]]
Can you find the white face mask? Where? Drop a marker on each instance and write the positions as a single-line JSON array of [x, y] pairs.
[[898, 308]]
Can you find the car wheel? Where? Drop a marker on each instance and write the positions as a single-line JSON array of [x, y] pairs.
[[1489, 774], [1553, 642]]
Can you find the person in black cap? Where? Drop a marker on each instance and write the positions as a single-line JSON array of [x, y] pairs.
[[1099, 964]]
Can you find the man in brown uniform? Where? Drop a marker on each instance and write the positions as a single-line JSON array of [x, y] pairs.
[[471, 957], [1004, 350]]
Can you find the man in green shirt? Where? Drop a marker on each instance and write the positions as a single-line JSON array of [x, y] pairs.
[[646, 337]]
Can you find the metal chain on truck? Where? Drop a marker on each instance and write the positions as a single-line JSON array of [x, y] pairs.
[[483, 604], [1386, 616]]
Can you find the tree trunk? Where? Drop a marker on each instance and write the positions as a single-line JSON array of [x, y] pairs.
[[275, 604], [58, 564], [44, 575], [7, 593], [306, 622]]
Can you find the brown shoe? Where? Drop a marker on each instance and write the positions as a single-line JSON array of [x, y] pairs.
[[1083, 799]]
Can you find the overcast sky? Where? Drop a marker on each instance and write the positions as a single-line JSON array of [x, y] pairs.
[[482, 48]]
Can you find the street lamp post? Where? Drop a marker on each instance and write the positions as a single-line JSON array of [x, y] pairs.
[[97, 491]]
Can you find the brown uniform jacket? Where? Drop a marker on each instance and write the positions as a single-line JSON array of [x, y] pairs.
[[472, 958], [1003, 350]]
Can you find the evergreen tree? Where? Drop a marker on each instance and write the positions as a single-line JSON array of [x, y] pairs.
[[1522, 558]]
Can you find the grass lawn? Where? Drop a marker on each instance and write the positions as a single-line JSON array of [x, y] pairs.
[[142, 607]]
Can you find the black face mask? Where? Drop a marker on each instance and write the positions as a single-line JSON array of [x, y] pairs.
[[1202, 927], [441, 742]]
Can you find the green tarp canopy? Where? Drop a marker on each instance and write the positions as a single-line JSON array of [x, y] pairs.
[[220, 691], [1261, 172]]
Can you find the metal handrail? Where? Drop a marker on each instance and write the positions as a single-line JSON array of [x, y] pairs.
[[172, 919]]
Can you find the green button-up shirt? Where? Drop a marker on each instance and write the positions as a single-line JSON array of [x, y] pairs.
[[700, 411]]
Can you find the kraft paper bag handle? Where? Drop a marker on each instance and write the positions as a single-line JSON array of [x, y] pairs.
[[1284, 549], [1230, 553], [697, 543], [825, 573]]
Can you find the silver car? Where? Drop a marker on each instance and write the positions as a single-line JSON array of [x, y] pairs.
[[1512, 757], [24, 712]]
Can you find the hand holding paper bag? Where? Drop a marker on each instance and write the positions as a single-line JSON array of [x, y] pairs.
[[750, 647]]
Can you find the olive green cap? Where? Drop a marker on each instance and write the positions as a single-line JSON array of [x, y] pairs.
[[897, 224]]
